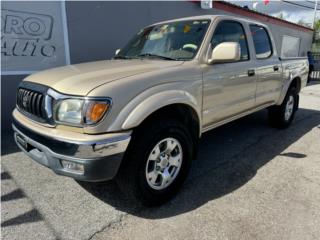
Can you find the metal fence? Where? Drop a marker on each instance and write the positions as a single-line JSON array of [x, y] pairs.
[[315, 74]]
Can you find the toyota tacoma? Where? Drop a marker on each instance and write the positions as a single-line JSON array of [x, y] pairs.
[[138, 117]]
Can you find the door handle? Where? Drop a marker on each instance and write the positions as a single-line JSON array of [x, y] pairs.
[[251, 72], [275, 68]]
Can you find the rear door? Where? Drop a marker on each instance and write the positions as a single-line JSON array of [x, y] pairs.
[[268, 66], [229, 88]]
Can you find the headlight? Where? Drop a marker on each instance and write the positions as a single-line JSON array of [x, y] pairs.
[[80, 111]]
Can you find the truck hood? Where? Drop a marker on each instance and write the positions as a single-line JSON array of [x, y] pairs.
[[80, 79]]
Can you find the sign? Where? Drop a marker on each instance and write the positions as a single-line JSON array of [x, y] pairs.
[[206, 4], [33, 36]]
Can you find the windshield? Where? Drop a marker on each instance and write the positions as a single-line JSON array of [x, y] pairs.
[[168, 41]]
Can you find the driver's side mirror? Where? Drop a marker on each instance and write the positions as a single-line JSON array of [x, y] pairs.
[[225, 52], [117, 51]]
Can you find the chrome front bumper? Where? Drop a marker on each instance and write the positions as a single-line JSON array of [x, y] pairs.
[[100, 159]]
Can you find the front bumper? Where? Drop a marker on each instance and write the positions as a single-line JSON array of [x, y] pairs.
[[100, 159]]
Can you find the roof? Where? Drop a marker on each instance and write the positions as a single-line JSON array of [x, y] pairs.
[[198, 17], [210, 17], [261, 17]]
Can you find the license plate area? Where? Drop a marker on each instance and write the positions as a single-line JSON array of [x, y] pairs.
[[23, 143]]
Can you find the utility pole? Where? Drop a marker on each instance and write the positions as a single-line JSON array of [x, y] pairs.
[[315, 14]]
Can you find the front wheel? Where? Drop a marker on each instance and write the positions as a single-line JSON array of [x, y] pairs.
[[156, 162], [282, 116]]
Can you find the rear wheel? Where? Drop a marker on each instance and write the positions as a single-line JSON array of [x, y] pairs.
[[157, 162], [282, 116]]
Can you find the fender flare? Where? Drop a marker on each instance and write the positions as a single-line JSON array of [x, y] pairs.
[[155, 102], [286, 86]]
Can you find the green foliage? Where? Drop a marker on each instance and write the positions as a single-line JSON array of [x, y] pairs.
[[303, 23], [281, 16], [316, 37], [317, 25], [315, 47]]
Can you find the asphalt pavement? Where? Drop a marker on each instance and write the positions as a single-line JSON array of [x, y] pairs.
[[250, 181]]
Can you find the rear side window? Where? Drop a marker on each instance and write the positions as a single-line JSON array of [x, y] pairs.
[[262, 42], [231, 31]]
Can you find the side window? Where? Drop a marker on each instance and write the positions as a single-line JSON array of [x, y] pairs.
[[262, 42], [231, 31]]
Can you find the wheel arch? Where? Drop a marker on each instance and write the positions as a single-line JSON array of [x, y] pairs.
[[182, 112], [171, 103], [294, 82]]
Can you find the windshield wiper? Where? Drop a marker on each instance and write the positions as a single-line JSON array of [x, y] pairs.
[[156, 56]]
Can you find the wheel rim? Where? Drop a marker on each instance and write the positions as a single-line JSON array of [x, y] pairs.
[[164, 163], [289, 108]]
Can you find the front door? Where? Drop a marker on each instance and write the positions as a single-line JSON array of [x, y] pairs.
[[229, 88]]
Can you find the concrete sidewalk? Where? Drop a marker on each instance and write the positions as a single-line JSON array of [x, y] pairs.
[[250, 181]]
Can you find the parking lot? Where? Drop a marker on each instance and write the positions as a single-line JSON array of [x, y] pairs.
[[250, 181]]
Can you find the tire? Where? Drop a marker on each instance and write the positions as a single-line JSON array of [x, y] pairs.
[[142, 150], [281, 116]]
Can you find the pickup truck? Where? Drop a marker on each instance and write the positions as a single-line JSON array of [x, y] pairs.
[[138, 117]]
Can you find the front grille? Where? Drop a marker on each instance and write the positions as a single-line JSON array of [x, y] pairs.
[[31, 102]]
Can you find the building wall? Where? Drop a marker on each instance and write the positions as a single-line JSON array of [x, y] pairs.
[[112, 24], [95, 30], [33, 38]]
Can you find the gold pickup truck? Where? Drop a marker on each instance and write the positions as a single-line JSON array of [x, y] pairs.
[[138, 117]]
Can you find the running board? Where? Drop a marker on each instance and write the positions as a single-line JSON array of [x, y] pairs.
[[218, 124]]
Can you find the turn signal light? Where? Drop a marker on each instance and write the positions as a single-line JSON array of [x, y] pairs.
[[96, 111]]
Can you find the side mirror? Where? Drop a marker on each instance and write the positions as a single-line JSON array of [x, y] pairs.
[[225, 52], [117, 51]]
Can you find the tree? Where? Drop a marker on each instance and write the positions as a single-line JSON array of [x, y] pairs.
[[317, 25], [303, 23], [316, 29], [316, 37], [280, 15]]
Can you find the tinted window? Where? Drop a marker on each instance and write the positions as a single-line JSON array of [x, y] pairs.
[[261, 40], [230, 31]]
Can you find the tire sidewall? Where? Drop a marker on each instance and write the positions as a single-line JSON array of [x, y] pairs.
[[145, 144], [292, 92]]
